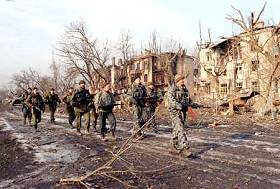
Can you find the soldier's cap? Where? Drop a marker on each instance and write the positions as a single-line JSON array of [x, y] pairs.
[[179, 77], [150, 83], [52, 89], [82, 82], [35, 88], [29, 88]]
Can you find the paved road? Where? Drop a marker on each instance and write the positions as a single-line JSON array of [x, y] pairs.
[[243, 155]]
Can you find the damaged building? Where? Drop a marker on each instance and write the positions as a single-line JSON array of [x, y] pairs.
[[151, 67], [232, 66]]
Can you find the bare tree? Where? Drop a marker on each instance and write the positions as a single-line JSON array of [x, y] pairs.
[[154, 43], [125, 46], [83, 55], [267, 50], [31, 78], [60, 78]]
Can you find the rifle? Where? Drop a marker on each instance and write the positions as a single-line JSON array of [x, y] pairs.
[[109, 105]]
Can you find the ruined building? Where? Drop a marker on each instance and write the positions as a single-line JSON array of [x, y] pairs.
[[233, 66], [151, 68]]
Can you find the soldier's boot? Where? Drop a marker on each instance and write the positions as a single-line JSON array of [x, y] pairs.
[[94, 126], [103, 137], [24, 121], [155, 130], [87, 131], [174, 151], [36, 127], [52, 120], [187, 153], [79, 132], [113, 135]]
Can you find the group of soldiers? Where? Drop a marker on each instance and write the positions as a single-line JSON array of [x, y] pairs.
[[144, 101]]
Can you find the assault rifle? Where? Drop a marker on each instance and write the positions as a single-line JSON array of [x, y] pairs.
[[109, 105]]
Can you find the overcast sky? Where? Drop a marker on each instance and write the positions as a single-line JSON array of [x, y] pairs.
[[29, 29]]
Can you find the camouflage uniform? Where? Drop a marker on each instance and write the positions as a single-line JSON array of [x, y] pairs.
[[36, 104], [104, 102], [152, 102], [69, 108], [138, 93], [81, 101], [179, 139], [52, 100], [183, 96], [25, 109]]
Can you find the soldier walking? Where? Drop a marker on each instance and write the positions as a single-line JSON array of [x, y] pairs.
[[137, 94], [104, 101], [36, 104], [184, 98], [175, 106], [152, 101], [94, 111], [69, 108], [25, 109], [81, 101], [52, 100]]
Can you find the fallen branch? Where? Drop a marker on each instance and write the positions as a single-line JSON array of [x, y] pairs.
[[103, 170]]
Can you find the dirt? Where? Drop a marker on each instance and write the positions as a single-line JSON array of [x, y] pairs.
[[14, 160], [238, 152]]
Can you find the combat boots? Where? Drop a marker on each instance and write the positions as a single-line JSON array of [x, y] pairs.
[[187, 153], [174, 151]]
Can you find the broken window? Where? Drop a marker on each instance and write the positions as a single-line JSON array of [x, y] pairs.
[[208, 56], [255, 65], [208, 88], [223, 89], [254, 44], [239, 85], [145, 78], [144, 65], [255, 86], [195, 72], [239, 66], [138, 66]]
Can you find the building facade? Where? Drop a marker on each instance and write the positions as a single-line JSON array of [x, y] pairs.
[[153, 68], [234, 66]]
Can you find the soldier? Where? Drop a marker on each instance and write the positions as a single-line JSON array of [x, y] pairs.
[[175, 106], [36, 104], [104, 101], [52, 100], [152, 101], [184, 98], [25, 109], [69, 108], [81, 101], [94, 109], [137, 94]]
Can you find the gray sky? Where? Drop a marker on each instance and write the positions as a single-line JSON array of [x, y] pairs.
[[31, 28]]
